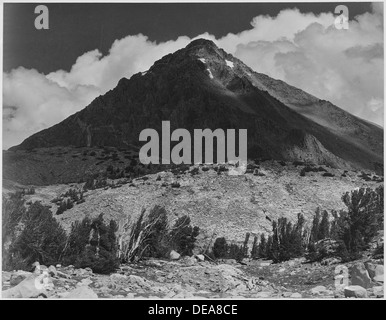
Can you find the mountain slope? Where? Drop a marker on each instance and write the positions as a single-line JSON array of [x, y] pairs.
[[201, 86]]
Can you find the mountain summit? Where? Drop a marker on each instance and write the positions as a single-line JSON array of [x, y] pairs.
[[202, 86]]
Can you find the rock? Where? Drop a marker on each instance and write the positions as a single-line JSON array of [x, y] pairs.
[[18, 277], [200, 257], [189, 261], [318, 290], [174, 255], [360, 276], [31, 287], [130, 295], [355, 291], [263, 294], [296, 295], [379, 278], [82, 293], [52, 271], [58, 266], [265, 263], [84, 282], [118, 277], [62, 275], [281, 270], [378, 291], [374, 269]]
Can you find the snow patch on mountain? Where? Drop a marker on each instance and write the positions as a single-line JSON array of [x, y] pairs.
[[210, 73], [229, 63]]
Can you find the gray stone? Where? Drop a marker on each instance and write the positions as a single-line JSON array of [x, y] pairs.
[[18, 277], [174, 255], [318, 290], [200, 257], [374, 269], [52, 271], [82, 293], [360, 276], [379, 278], [378, 291], [355, 291], [30, 287], [296, 295]]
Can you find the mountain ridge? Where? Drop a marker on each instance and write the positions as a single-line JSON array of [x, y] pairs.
[[202, 86]]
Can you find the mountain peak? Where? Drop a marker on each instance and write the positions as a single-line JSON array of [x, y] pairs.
[[201, 43]]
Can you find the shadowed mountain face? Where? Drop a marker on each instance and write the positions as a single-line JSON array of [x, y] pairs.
[[201, 86]]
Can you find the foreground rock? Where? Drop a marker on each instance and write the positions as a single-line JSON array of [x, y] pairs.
[[32, 286], [355, 292], [81, 293]]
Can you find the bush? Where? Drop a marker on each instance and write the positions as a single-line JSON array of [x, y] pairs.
[[220, 248], [92, 244], [41, 239], [183, 236]]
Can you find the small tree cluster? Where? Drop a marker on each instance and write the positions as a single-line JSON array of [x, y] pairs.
[[149, 236], [92, 243]]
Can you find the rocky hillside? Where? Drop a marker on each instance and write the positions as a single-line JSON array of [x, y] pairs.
[[202, 86], [219, 203]]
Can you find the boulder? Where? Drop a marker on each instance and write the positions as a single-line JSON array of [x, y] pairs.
[[31, 287], [355, 291], [378, 291], [174, 255], [52, 271], [318, 290], [379, 278], [18, 277], [82, 293], [296, 295], [360, 276], [200, 257], [374, 269], [189, 261]]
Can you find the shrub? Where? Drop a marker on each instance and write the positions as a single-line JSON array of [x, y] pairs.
[[183, 236], [220, 248], [92, 244], [41, 239]]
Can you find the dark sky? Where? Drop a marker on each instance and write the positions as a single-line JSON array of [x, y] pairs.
[[77, 28]]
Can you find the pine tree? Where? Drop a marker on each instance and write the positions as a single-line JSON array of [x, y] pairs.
[[315, 227], [255, 248], [268, 249], [262, 252], [324, 227]]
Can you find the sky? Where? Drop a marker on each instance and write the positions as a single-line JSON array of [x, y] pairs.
[[51, 74]]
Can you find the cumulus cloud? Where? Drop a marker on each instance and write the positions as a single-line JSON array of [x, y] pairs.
[[305, 50]]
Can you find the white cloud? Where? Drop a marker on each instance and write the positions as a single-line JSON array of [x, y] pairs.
[[305, 50]]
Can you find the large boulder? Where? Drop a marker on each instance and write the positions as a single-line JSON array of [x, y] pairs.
[[82, 293], [355, 292], [31, 287], [360, 276]]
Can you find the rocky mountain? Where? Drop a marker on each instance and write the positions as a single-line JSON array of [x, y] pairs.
[[202, 86]]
